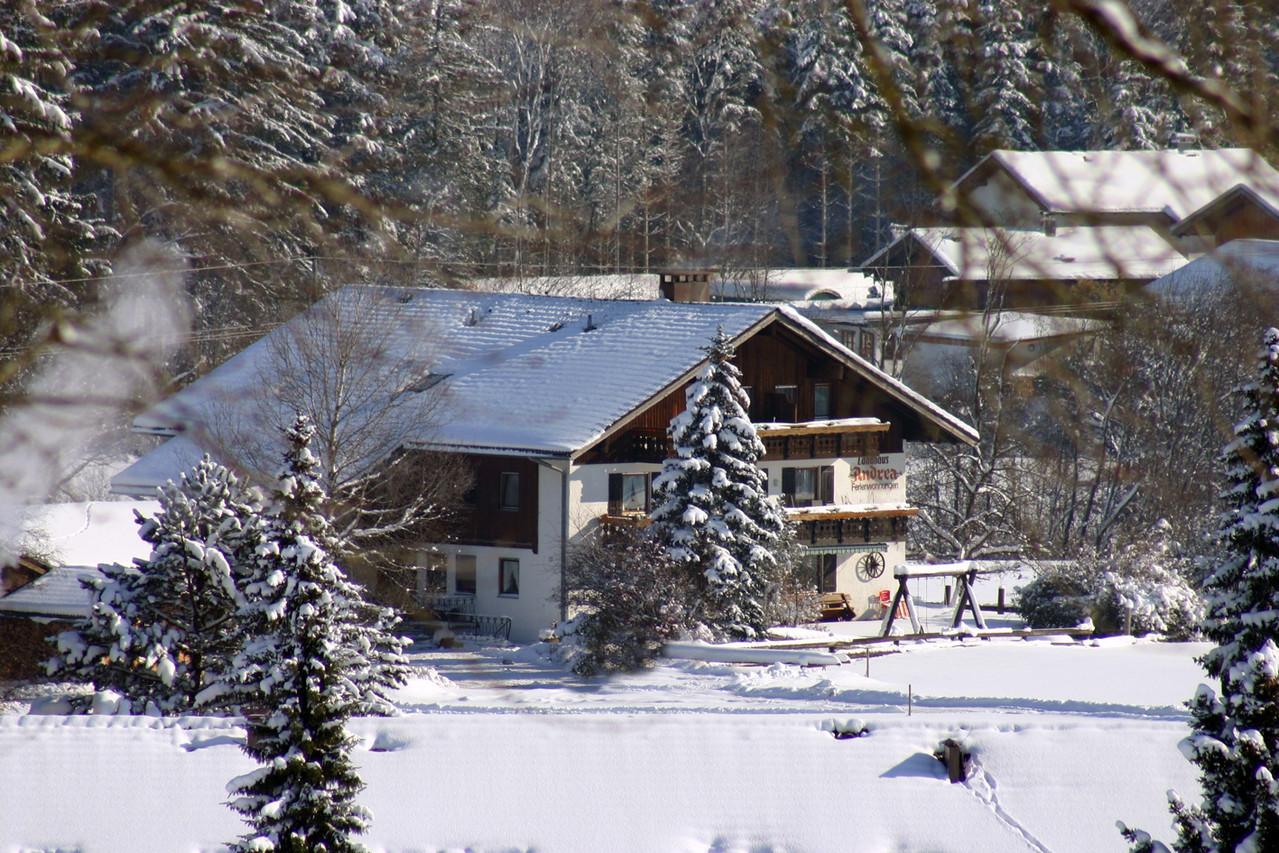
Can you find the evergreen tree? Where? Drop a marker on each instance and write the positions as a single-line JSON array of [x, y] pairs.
[[712, 507], [49, 232], [314, 655], [630, 598], [1007, 91], [1235, 737], [161, 632]]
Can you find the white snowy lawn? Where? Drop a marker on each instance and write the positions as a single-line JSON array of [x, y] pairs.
[[505, 751]]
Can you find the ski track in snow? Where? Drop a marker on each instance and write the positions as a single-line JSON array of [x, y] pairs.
[[983, 787]]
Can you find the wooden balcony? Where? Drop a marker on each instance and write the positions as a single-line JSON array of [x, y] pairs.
[[852, 437], [827, 526]]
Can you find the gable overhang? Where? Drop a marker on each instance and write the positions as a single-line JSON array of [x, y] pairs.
[[666, 390], [881, 260], [995, 162], [944, 423], [1239, 192]]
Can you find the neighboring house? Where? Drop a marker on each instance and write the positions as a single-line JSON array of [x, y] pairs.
[[562, 405], [1078, 230], [1250, 267], [1006, 268], [1019, 189], [1240, 213], [943, 343]]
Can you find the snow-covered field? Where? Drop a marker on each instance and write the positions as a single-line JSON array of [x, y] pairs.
[[505, 751]]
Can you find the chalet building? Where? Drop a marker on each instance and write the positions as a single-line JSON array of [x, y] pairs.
[[561, 406], [1078, 230], [1007, 268]]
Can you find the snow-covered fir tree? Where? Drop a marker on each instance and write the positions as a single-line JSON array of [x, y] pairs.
[[1007, 90], [1235, 737], [711, 500], [160, 632], [314, 655], [49, 230]]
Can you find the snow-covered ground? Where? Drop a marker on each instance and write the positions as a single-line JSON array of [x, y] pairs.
[[503, 750]]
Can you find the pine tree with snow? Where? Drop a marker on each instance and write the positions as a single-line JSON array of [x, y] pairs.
[[161, 631], [314, 655], [1235, 737], [1006, 89], [712, 507], [49, 229]]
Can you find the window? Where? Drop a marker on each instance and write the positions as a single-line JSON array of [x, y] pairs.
[[464, 574], [629, 493], [819, 570], [807, 486], [867, 350], [780, 404], [508, 577], [821, 402], [510, 491], [433, 575]]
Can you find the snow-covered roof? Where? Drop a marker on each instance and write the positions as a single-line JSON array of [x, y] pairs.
[[58, 592], [1256, 261], [542, 375], [1076, 252], [1171, 181], [850, 424], [80, 535], [849, 288], [1006, 327], [603, 286], [837, 511]]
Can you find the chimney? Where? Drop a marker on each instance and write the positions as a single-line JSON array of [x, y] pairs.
[[1049, 220], [686, 285]]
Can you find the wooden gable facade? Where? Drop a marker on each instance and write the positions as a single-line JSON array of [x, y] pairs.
[[789, 379], [1239, 213]]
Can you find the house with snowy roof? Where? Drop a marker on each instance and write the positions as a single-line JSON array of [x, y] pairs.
[[954, 267], [1079, 229], [561, 406], [1022, 189]]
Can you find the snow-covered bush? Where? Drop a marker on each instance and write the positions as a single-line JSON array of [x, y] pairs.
[[162, 630], [1150, 579], [1161, 601], [630, 598], [711, 502], [1055, 600]]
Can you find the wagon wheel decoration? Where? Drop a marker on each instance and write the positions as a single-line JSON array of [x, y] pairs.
[[870, 566]]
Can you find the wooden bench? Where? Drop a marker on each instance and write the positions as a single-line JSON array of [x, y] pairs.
[[837, 606]]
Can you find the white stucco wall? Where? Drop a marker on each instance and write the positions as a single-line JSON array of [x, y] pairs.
[[878, 480]]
